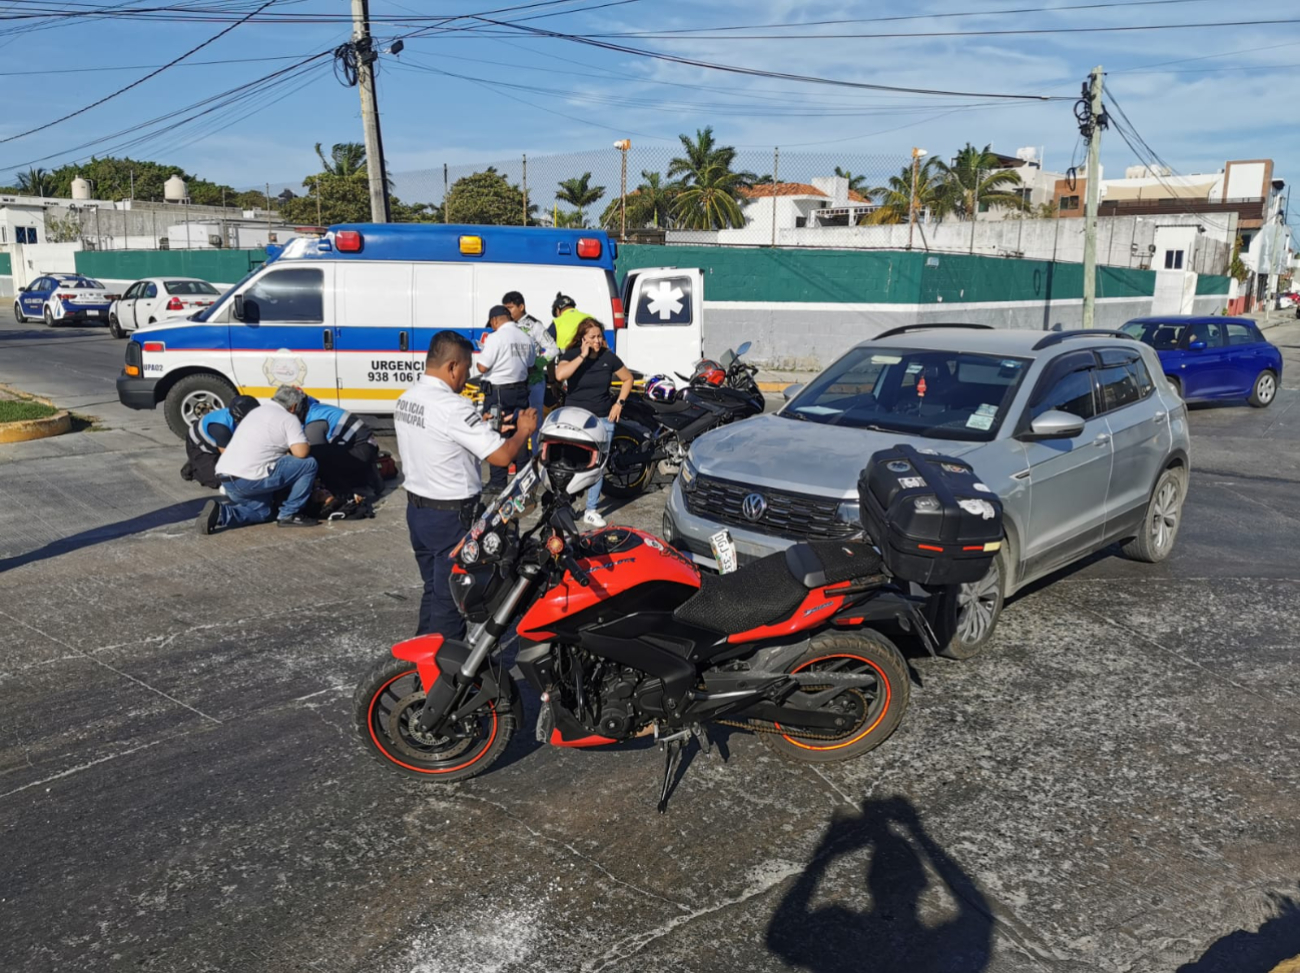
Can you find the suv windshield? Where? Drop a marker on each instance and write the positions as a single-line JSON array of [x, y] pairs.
[[940, 394]]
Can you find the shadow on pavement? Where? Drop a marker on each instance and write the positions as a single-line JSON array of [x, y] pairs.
[[1275, 942], [175, 514], [881, 929]]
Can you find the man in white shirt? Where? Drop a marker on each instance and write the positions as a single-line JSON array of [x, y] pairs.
[[504, 363], [547, 352], [268, 453], [443, 440]]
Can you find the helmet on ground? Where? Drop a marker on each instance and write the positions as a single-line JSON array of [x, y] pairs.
[[708, 372], [562, 303], [660, 388], [575, 445], [242, 406]]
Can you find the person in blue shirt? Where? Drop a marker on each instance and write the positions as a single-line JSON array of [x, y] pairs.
[[345, 450], [208, 438]]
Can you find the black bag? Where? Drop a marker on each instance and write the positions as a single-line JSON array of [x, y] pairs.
[[931, 517]]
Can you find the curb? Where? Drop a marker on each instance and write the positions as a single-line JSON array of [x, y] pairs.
[[25, 430]]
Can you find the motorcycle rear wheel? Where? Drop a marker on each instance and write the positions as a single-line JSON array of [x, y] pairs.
[[385, 706], [875, 711], [625, 483]]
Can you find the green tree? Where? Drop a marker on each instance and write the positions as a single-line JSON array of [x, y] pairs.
[[346, 159], [113, 178], [35, 182], [857, 183], [976, 180], [346, 199], [566, 219], [709, 197], [486, 198], [579, 193], [650, 204], [894, 197]]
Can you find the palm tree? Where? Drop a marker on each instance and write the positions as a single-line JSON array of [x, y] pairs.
[[35, 182], [711, 200], [857, 184], [579, 193], [895, 197], [650, 204], [701, 152], [346, 159], [975, 180], [569, 219]]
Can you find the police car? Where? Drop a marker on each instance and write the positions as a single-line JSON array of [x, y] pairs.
[[348, 317], [60, 298]]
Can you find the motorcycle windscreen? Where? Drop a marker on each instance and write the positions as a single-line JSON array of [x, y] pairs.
[[515, 500]]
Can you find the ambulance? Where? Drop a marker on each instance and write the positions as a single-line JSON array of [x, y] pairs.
[[348, 316]]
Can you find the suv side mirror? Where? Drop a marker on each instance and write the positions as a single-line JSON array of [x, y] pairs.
[[237, 307], [1055, 424], [1197, 345], [792, 390]]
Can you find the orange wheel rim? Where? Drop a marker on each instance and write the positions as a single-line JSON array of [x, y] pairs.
[[884, 682]]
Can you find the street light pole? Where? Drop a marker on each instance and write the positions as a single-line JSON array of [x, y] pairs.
[[911, 204], [623, 145]]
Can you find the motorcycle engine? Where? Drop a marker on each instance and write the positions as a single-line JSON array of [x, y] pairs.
[[601, 694], [618, 714]]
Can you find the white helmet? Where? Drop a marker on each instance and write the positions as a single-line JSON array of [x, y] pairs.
[[575, 446]]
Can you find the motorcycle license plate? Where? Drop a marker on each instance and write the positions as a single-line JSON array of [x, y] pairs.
[[724, 551]]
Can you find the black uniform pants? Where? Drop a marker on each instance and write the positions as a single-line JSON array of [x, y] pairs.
[[201, 465], [511, 398], [434, 533]]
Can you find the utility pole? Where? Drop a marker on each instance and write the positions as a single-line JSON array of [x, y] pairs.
[[911, 203], [525, 222], [363, 53], [1092, 120], [776, 172]]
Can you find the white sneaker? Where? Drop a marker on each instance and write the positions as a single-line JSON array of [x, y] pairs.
[[222, 490], [593, 519]]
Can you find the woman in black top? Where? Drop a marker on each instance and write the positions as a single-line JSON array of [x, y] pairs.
[[588, 367]]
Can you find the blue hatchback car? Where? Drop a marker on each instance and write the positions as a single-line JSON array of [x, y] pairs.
[[1210, 358]]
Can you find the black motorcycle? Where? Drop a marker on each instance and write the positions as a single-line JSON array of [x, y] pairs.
[[652, 438]]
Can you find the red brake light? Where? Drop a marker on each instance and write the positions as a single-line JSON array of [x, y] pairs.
[[347, 241], [616, 312], [66, 297], [154, 346], [175, 304], [588, 248]]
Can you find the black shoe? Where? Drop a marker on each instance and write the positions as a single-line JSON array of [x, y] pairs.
[[208, 517], [297, 520]]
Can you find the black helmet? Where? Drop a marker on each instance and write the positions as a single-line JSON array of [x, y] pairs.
[[562, 303], [242, 406]]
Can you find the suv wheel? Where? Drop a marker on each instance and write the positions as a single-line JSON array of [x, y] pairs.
[[1163, 518], [964, 617]]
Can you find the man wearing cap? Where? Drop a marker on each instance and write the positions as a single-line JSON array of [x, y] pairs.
[[506, 357]]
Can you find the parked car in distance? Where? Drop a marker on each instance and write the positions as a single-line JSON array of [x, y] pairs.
[[157, 299], [1076, 431], [63, 298], [1208, 358]]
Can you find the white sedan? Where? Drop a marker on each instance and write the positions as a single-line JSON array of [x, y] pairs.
[[156, 299]]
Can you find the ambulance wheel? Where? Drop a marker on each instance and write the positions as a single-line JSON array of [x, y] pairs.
[[19, 316], [114, 328], [964, 617], [195, 396], [49, 317]]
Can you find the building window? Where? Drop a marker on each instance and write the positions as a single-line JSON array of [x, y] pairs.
[[800, 221], [1069, 202], [1173, 260]]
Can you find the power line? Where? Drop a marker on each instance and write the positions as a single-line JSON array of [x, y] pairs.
[[138, 81], [145, 67]]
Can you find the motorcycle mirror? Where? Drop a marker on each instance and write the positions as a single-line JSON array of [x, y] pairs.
[[684, 378], [744, 349]]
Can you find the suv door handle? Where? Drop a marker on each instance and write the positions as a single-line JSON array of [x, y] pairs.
[[402, 343], [1102, 440], [328, 335]]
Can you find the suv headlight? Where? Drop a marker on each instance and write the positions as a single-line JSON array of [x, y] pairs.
[[689, 476], [849, 512]]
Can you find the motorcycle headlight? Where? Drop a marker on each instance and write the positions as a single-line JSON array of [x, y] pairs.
[[689, 476]]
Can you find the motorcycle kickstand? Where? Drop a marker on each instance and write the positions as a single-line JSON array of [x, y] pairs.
[[672, 747]]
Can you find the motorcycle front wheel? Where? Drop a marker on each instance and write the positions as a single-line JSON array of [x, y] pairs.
[[625, 479], [871, 712], [386, 707]]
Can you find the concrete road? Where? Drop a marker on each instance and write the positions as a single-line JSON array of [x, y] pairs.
[[1111, 787]]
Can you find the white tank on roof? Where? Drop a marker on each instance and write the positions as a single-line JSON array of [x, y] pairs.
[[80, 189], [174, 190]]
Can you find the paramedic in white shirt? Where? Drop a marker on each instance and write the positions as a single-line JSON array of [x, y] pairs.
[[268, 453], [504, 362], [547, 352], [443, 441]]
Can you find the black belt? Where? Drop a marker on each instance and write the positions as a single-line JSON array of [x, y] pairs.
[[489, 386], [426, 503]]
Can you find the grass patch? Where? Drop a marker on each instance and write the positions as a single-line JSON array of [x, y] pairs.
[[21, 411]]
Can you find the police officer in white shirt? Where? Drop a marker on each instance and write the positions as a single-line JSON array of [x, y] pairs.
[[267, 453], [506, 357], [442, 440]]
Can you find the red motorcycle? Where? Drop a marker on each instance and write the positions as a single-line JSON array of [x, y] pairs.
[[623, 637]]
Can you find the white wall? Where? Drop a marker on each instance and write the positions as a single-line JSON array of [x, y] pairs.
[[1245, 180]]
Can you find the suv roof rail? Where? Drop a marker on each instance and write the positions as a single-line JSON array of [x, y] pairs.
[[924, 327], [1056, 337]]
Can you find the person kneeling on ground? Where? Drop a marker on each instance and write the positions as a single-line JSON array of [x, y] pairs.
[[208, 438], [345, 450], [267, 454]]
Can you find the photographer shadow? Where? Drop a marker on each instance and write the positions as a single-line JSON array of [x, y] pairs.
[[887, 930]]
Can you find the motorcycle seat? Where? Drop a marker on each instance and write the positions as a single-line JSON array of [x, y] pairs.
[[768, 590], [668, 408]]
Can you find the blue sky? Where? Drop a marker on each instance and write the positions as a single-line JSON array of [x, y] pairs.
[[569, 97]]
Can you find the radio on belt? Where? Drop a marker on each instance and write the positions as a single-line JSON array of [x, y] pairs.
[[931, 517]]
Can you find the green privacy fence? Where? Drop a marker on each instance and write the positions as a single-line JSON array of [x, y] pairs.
[[220, 266], [6, 268], [1211, 285], [889, 277]]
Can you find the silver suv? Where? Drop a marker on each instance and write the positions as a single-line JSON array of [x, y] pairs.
[[1078, 432]]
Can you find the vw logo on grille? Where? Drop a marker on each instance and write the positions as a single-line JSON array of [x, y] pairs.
[[754, 506]]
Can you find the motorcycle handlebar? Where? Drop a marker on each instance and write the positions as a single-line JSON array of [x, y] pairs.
[[574, 568]]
